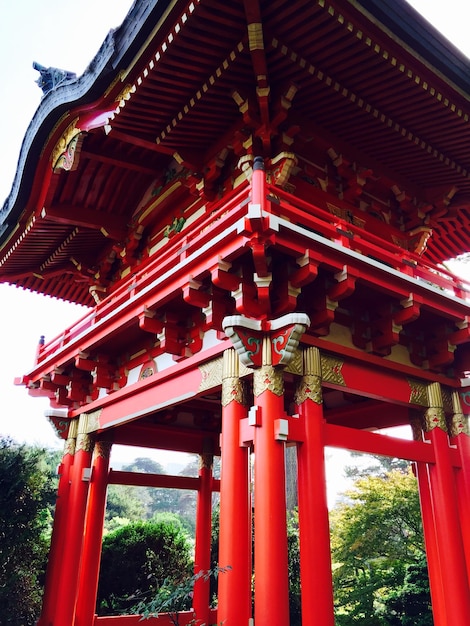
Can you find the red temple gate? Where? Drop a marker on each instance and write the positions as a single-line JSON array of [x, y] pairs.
[[255, 201]]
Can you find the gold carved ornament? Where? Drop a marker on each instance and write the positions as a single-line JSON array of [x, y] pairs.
[[268, 378], [309, 388], [435, 417]]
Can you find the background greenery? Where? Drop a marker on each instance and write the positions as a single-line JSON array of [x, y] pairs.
[[379, 565]]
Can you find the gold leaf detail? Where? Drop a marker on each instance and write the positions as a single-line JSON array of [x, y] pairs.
[[331, 370], [309, 388], [211, 374], [234, 390], [418, 393], [267, 378], [434, 417]]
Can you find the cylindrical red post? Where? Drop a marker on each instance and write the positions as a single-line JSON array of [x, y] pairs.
[[429, 532], [91, 553], [460, 434], [234, 591], [315, 552], [68, 584], [271, 573], [55, 561], [258, 183], [202, 550], [446, 515]]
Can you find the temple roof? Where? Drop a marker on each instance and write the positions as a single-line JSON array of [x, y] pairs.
[[365, 91]]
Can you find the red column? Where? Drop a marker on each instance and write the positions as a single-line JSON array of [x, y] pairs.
[[202, 556], [430, 534], [271, 574], [67, 593], [460, 433], [315, 551], [55, 562], [234, 606], [446, 514], [91, 553]]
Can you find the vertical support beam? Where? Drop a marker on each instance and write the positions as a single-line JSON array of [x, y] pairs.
[[429, 532], [315, 551], [459, 431], [446, 514], [91, 554], [55, 562], [271, 573], [65, 610], [234, 595], [202, 556]]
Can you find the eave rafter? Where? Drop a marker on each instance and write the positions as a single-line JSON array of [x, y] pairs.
[[371, 110], [110, 225]]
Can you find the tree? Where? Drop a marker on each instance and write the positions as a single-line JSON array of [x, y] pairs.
[[377, 543], [26, 495], [136, 559]]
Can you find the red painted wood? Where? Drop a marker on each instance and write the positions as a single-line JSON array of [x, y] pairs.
[[431, 545], [271, 577], [71, 555], [450, 543], [91, 552], [315, 557], [234, 592], [58, 539], [202, 548]]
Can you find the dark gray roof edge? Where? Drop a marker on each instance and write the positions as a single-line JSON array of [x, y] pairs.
[[407, 24], [117, 50]]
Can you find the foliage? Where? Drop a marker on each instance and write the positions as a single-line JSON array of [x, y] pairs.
[[175, 596], [26, 497], [136, 560], [293, 552], [377, 545]]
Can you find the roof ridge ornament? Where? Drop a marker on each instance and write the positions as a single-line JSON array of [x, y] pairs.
[[51, 77]]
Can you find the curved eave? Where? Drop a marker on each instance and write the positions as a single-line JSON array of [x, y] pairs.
[[117, 51], [421, 38]]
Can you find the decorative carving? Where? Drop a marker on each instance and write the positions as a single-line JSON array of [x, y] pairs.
[[458, 423], [206, 460], [309, 388], [51, 77], [103, 449], [234, 390], [283, 335], [435, 417], [295, 366], [148, 369], [416, 424], [331, 370], [84, 443], [63, 154], [418, 393], [267, 378], [211, 374], [93, 421]]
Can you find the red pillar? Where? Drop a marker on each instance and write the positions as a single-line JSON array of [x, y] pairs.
[[234, 606], [271, 573], [446, 514], [55, 562], [202, 556], [315, 551], [429, 533], [67, 593], [460, 434], [91, 553]]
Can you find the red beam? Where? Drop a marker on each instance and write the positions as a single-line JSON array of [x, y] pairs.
[[141, 479], [186, 618], [383, 445]]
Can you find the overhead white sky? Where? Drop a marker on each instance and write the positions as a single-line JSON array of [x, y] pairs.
[[67, 35]]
